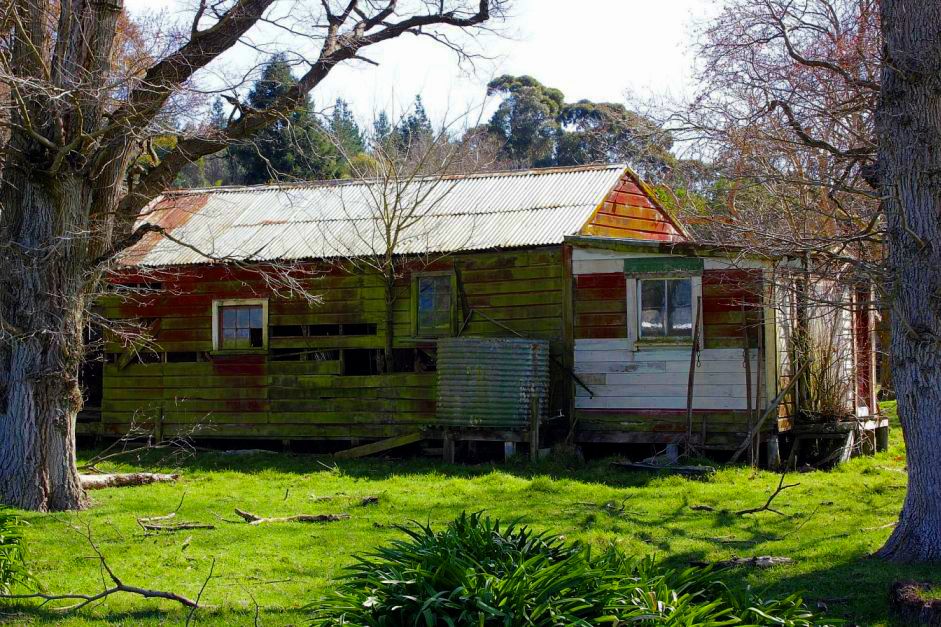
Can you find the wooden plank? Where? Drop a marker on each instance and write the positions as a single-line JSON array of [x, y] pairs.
[[675, 402], [380, 446], [667, 390]]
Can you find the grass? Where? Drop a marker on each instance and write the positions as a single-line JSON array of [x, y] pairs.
[[835, 520]]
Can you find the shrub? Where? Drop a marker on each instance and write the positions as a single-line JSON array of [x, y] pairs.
[[13, 569], [479, 572]]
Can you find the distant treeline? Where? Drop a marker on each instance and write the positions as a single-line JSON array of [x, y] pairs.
[[532, 126]]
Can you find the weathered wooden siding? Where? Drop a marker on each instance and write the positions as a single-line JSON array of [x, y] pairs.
[[639, 392], [600, 309], [629, 212], [264, 395], [731, 304]]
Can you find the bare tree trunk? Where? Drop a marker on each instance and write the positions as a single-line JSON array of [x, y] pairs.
[[909, 124], [390, 322], [42, 294]]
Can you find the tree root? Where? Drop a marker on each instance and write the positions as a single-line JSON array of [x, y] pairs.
[[121, 480], [254, 519]]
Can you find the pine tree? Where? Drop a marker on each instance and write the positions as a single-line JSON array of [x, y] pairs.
[[415, 128], [294, 147]]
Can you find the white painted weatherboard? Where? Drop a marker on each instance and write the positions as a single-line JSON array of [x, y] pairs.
[[657, 378]]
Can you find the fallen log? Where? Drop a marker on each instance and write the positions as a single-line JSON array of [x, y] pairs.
[[122, 480], [254, 519]]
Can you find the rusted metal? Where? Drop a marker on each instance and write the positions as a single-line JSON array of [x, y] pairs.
[[492, 382], [337, 218]]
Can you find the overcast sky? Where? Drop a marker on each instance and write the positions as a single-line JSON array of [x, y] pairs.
[[595, 49]]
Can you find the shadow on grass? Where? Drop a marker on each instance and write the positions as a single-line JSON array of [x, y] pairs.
[[596, 471]]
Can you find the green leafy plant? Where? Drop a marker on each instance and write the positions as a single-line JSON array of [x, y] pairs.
[[13, 571], [477, 571]]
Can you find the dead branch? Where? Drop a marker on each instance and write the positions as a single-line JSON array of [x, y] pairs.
[[761, 561], [254, 519], [767, 506], [118, 587], [158, 523], [122, 480]]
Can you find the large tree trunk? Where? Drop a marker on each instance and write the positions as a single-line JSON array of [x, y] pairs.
[[909, 125], [42, 301]]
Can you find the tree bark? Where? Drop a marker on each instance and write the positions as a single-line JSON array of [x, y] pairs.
[[42, 300], [909, 127]]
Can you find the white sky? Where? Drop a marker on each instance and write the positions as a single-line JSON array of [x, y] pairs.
[[594, 49]]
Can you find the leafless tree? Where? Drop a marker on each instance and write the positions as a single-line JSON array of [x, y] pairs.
[[74, 183], [785, 117], [399, 188]]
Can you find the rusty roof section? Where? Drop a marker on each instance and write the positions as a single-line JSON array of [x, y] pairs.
[[339, 218]]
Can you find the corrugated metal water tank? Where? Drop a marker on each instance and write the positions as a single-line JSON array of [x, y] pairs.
[[491, 382]]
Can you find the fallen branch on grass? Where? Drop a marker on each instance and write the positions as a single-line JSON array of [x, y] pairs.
[[254, 519], [183, 526], [767, 506], [118, 587], [761, 561], [157, 523], [98, 482]]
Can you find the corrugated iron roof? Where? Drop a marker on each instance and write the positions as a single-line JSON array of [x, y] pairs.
[[340, 218]]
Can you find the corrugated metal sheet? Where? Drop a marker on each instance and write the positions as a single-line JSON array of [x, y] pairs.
[[491, 382], [339, 219]]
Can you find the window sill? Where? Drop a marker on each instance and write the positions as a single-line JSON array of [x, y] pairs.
[[649, 344], [226, 352]]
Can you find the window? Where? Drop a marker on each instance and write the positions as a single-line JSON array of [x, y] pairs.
[[666, 308], [240, 325], [434, 313]]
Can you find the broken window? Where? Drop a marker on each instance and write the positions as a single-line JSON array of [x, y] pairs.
[[433, 309], [361, 361], [241, 327], [666, 308]]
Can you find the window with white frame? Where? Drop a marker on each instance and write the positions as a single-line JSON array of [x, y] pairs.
[[240, 325], [666, 308]]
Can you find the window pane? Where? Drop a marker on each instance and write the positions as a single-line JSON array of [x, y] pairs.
[[426, 295], [244, 317], [255, 318], [228, 334], [434, 304], [680, 307], [228, 317], [256, 340], [652, 305]]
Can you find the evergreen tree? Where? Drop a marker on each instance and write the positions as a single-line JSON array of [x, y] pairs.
[[527, 119], [415, 128], [294, 147], [382, 128], [345, 130]]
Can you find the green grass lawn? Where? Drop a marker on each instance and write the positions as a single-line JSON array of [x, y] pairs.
[[834, 521]]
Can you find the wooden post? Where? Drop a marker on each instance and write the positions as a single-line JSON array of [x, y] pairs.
[[774, 452], [534, 429], [697, 322], [747, 362], [448, 448], [882, 439]]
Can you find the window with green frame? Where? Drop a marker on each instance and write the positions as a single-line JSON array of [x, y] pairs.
[[434, 305]]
